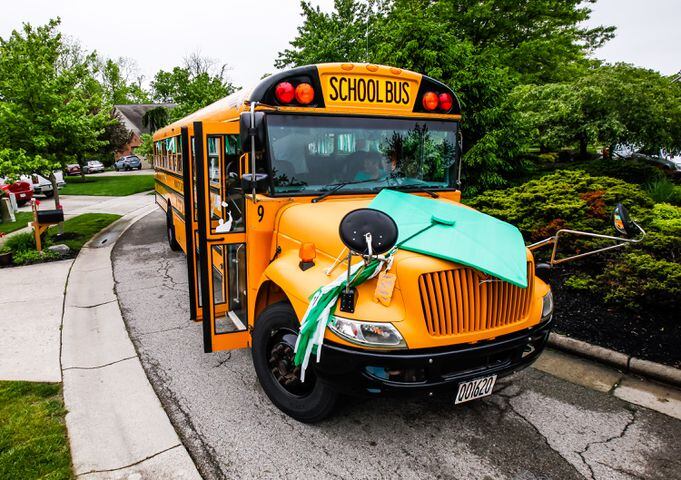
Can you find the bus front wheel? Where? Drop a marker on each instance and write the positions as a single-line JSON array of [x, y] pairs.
[[274, 340]]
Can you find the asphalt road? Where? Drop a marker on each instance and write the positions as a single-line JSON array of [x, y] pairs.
[[534, 427]]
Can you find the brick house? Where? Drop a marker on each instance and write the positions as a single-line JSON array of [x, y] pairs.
[[132, 117]]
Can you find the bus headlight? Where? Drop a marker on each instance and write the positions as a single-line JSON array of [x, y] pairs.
[[547, 307], [370, 334]]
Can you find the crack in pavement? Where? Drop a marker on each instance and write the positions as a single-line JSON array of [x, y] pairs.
[[132, 464], [100, 366], [582, 453], [181, 327]]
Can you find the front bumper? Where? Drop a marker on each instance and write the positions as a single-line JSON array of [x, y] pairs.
[[428, 371]]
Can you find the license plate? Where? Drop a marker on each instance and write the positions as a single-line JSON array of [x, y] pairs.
[[478, 388]]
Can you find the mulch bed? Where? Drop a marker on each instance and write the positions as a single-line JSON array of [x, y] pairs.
[[648, 335]]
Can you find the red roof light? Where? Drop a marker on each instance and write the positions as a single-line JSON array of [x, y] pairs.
[[446, 102], [284, 92], [430, 101], [304, 93]]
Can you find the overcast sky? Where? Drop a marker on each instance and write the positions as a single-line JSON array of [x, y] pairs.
[[158, 34]]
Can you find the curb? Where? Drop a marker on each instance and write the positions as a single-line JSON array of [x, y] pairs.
[[116, 424], [626, 363]]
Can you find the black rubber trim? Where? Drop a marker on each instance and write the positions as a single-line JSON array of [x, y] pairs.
[[344, 368], [189, 234], [203, 243], [431, 85], [264, 92]]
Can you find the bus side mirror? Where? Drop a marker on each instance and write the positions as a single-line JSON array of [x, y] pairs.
[[246, 132], [623, 223]]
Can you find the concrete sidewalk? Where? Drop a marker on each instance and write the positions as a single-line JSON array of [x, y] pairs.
[[117, 426], [61, 322], [31, 301]]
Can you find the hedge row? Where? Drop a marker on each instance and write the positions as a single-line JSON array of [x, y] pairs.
[[645, 275]]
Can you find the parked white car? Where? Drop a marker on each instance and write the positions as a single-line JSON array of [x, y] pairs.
[[93, 166], [42, 185], [663, 159]]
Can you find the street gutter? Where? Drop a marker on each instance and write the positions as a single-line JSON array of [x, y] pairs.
[[626, 363]]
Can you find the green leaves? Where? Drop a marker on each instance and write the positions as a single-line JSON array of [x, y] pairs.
[[50, 102], [483, 49], [635, 278], [605, 105], [189, 90]]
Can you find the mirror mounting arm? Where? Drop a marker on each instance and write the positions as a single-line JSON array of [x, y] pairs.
[[252, 132], [554, 240]]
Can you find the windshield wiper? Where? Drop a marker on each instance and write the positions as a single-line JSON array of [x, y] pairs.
[[338, 186], [418, 188]]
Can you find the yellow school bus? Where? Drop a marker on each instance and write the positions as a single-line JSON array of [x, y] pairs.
[[255, 187]]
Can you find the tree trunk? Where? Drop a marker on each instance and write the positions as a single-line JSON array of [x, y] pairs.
[[55, 189], [583, 152], [57, 203]]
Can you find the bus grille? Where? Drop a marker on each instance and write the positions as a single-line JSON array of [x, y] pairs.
[[465, 300]]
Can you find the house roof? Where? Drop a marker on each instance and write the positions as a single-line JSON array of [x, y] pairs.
[[132, 115]]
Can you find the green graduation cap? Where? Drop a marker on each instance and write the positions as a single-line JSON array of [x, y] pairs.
[[456, 233]]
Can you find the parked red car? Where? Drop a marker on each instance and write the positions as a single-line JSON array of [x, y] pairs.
[[23, 191], [72, 169]]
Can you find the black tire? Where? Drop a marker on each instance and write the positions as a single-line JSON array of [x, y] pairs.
[[49, 194], [274, 336], [170, 229]]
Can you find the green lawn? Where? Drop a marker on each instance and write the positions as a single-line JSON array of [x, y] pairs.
[[80, 229], [22, 220], [115, 186], [33, 441]]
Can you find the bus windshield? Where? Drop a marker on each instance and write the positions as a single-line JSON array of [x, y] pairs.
[[310, 154]]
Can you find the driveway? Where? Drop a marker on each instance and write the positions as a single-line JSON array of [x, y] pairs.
[[77, 204], [535, 426]]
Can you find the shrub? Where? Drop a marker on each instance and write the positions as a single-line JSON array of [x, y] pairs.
[[663, 190], [630, 170], [566, 199], [20, 242], [580, 282], [26, 257], [640, 275], [640, 279]]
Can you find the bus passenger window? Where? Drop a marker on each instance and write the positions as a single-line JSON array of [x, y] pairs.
[[229, 287], [214, 160], [234, 196]]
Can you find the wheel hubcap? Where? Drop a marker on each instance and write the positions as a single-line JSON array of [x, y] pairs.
[[280, 359]]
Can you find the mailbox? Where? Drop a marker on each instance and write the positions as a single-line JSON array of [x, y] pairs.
[[45, 217]]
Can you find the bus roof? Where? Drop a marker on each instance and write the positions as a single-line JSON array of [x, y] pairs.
[[340, 88]]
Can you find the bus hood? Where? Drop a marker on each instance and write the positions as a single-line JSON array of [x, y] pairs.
[[474, 239], [318, 222]]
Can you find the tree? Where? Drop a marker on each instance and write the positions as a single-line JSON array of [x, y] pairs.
[[198, 83], [50, 103], [483, 49], [338, 36], [156, 118], [121, 83], [609, 104]]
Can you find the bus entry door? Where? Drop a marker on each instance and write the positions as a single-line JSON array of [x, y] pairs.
[[221, 263]]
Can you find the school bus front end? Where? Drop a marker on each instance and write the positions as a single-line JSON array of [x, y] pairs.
[[449, 323], [316, 144]]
